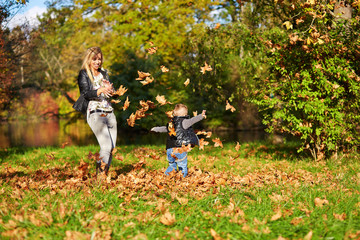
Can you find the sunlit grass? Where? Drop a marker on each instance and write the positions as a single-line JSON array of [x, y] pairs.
[[257, 192]]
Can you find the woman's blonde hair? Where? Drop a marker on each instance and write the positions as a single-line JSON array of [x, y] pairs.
[[180, 110], [90, 54]]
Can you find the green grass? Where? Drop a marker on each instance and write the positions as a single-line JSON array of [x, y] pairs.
[[258, 192]]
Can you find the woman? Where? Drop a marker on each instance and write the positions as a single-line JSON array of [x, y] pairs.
[[95, 90]]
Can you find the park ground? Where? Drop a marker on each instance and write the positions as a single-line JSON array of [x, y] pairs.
[[252, 191]]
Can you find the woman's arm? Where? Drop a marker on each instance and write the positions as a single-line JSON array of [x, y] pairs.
[[85, 86]]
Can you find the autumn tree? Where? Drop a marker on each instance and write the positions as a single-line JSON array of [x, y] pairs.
[[313, 90]]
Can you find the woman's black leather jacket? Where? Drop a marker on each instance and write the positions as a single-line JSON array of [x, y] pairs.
[[87, 92]]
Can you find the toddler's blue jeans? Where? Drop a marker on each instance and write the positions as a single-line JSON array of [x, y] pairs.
[[174, 162]]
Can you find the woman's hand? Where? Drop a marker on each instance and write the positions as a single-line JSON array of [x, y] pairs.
[[107, 90]]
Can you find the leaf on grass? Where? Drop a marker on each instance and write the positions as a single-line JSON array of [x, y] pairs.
[[296, 221], [168, 218], [215, 235], [182, 201], [229, 107], [277, 216], [74, 235], [320, 202], [309, 235], [164, 69], [187, 82], [217, 142], [126, 104], [340, 217], [205, 68]]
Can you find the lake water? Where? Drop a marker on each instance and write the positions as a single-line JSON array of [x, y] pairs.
[[59, 132]]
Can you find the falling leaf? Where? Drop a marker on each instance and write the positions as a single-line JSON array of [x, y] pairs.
[[187, 82], [168, 218], [170, 114], [147, 81], [131, 120], [161, 99], [237, 147], [64, 144], [121, 91], [115, 101], [164, 69], [277, 216], [195, 113], [228, 106], [142, 75], [126, 104], [114, 151], [217, 25], [215, 235], [217, 142], [320, 202], [205, 68], [207, 134], [151, 43], [202, 144]]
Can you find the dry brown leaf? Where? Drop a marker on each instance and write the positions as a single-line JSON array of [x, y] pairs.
[[131, 120], [217, 25], [321, 202], [205, 68], [340, 217], [238, 146], [202, 144], [164, 69], [147, 81], [229, 107], [215, 235], [182, 201], [126, 104], [296, 221], [152, 50], [308, 236], [187, 82], [170, 114], [277, 216], [121, 91], [142, 75], [217, 142], [207, 134], [168, 218], [115, 101], [161, 99], [195, 113]]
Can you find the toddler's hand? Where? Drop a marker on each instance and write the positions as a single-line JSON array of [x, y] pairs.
[[203, 113]]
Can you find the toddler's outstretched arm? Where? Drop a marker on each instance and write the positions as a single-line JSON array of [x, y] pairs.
[[161, 129], [189, 122]]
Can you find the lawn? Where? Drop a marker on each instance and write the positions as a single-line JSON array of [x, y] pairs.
[[253, 191]]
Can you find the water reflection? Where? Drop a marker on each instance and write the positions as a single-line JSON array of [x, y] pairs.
[[57, 133]]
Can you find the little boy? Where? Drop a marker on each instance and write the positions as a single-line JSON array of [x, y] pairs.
[[181, 137]]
